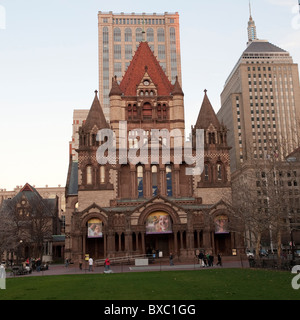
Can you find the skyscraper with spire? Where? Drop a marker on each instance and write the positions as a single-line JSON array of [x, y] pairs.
[[260, 102], [252, 35]]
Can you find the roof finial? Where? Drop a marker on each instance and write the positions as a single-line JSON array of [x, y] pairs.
[[205, 91], [250, 9], [96, 92], [143, 32]]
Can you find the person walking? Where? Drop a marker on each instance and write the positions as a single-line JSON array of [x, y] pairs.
[[219, 260], [171, 259], [91, 264]]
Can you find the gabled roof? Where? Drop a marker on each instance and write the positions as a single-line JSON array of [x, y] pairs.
[[34, 199], [207, 115], [144, 59], [95, 117]]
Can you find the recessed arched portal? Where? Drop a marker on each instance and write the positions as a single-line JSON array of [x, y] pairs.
[[222, 235], [94, 238], [159, 233], [94, 235]]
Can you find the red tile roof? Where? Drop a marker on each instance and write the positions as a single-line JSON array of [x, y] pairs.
[[143, 60]]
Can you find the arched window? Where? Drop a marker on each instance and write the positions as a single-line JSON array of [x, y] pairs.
[[159, 114], [161, 35], [169, 181], [206, 172], [128, 35], [94, 141], [102, 175], [129, 111], [117, 35], [139, 35], [140, 182], [211, 138], [147, 111], [154, 180], [150, 35], [219, 172], [164, 111], [89, 175], [134, 111]]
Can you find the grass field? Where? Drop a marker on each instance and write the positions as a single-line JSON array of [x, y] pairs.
[[220, 284]]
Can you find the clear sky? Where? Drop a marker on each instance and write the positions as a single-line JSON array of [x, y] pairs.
[[49, 67]]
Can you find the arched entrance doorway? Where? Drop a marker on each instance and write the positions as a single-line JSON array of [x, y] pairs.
[[94, 238], [222, 237], [159, 233]]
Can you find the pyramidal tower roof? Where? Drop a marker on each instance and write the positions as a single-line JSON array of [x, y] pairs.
[[96, 116], [144, 59], [207, 115]]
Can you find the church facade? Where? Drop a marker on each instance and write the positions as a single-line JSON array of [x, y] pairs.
[[123, 208]]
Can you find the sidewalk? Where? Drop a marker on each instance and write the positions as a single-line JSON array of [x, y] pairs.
[[157, 266]]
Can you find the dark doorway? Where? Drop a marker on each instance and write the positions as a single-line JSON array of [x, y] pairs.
[[223, 244], [160, 242], [95, 248]]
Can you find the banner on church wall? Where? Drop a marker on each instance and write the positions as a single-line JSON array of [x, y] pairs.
[[95, 228], [159, 223], [221, 225]]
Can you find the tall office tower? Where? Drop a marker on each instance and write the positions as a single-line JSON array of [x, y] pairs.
[[260, 104], [119, 37]]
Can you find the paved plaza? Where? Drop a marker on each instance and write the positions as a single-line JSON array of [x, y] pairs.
[[157, 266]]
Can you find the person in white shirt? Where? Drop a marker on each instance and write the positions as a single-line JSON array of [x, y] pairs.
[[91, 263]]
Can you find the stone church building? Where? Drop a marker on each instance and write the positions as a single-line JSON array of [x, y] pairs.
[[120, 209]]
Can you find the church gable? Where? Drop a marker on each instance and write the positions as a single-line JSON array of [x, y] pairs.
[[144, 59]]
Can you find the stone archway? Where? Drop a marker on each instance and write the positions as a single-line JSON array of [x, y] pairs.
[[160, 223], [222, 235], [94, 235]]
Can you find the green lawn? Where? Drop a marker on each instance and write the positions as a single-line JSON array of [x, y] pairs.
[[213, 284]]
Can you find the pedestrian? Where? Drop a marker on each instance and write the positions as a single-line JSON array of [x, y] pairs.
[[204, 260], [219, 260], [211, 258], [208, 259], [201, 256], [67, 263], [38, 265], [91, 264], [80, 264], [107, 265], [171, 259]]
